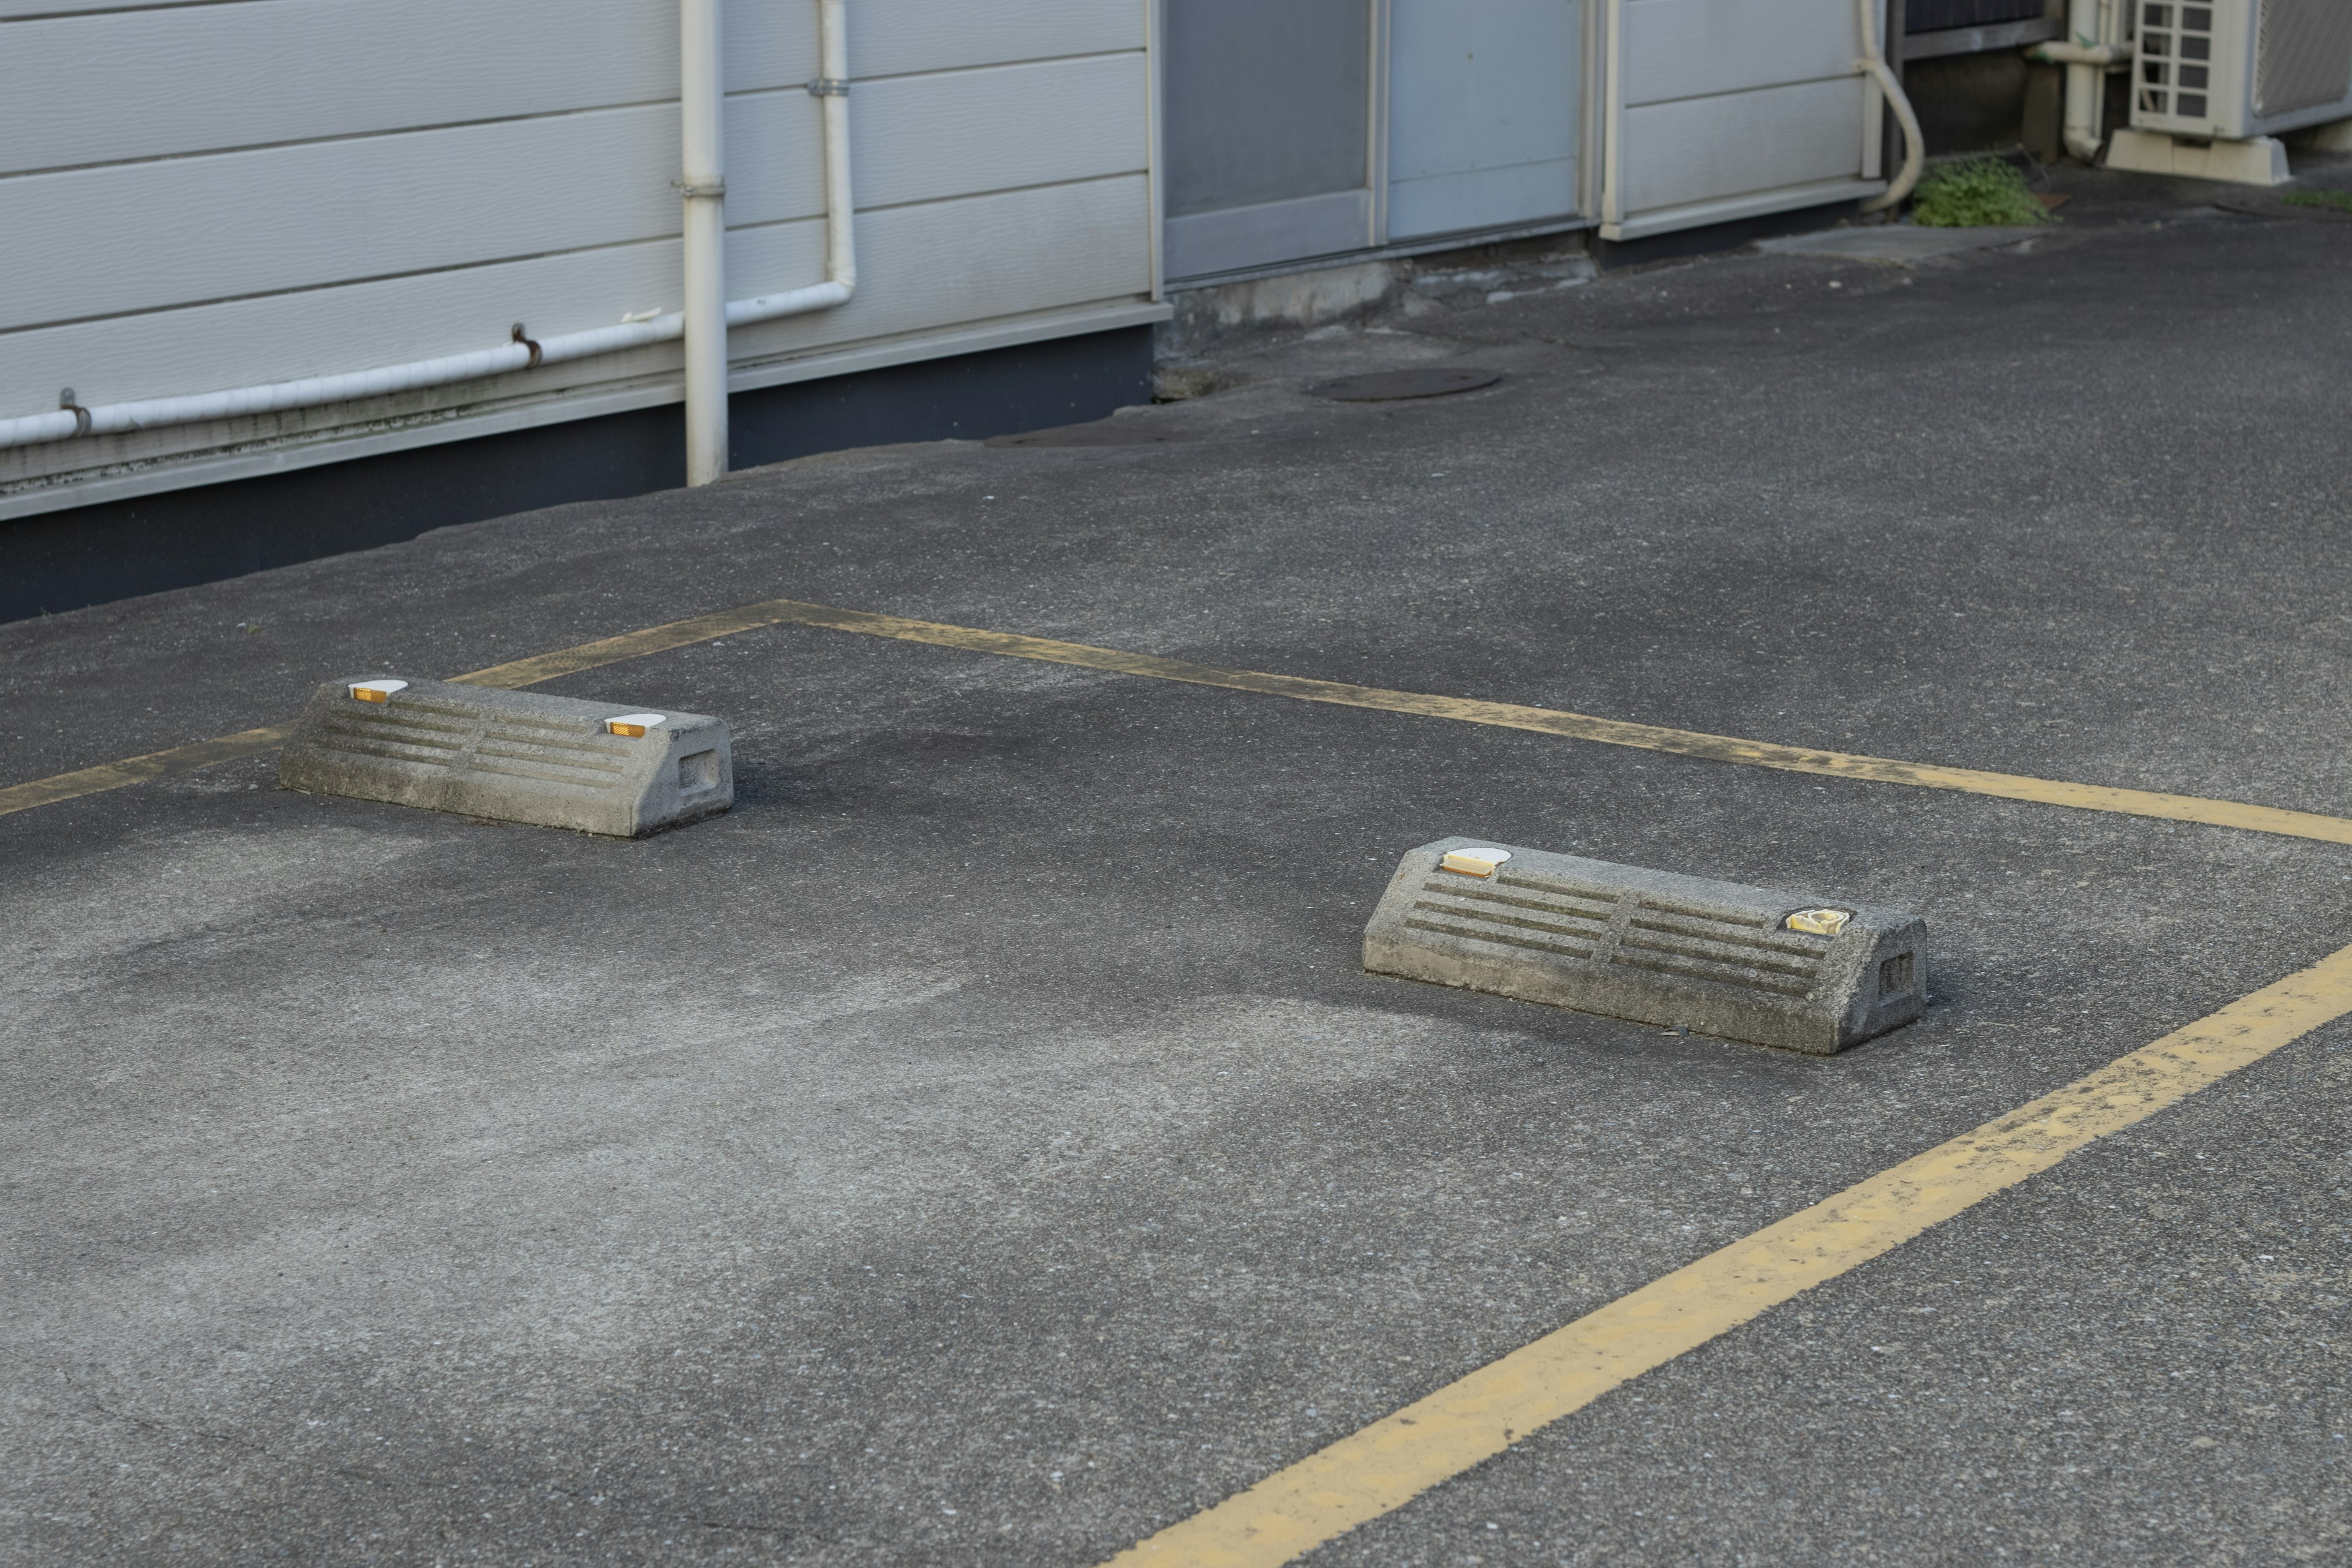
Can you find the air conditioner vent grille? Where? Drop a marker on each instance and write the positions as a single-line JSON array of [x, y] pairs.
[[2304, 56]]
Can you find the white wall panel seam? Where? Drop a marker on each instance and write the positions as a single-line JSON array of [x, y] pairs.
[[578, 183], [786, 90], [1738, 93], [496, 261], [962, 71], [103, 8], [216, 78], [388, 132], [329, 285], [1103, 178]]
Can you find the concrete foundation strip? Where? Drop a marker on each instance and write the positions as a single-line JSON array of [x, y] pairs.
[[1503, 715], [1394, 1460]]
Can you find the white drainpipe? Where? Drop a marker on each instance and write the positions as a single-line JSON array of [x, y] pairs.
[[1873, 63], [702, 105], [2096, 45], [71, 419]]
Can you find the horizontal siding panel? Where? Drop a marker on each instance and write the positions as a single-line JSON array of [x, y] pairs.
[[945, 263], [152, 236], [1690, 49], [213, 77], [892, 38], [915, 139], [207, 78], [9, 8], [143, 235], [1699, 149], [921, 268]]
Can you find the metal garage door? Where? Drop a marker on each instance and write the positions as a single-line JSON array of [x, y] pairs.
[[1265, 132], [1482, 113]]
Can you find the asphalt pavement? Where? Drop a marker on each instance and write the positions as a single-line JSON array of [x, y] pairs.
[[983, 1146]]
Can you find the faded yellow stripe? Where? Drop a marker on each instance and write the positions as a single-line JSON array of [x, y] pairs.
[[1576, 726], [137, 770], [634, 645], [1394, 1460], [1502, 715]]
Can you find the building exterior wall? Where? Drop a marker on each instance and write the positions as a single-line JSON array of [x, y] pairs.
[[1726, 109], [197, 197]]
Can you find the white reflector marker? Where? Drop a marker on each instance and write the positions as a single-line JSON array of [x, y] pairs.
[[377, 690], [634, 725], [1475, 862]]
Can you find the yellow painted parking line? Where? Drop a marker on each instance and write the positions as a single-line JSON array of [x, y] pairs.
[[1584, 726], [1503, 715], [1395, 1459], [138, 770]]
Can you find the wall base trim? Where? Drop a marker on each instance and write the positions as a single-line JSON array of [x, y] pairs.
[[163, 474], [1728, 209]]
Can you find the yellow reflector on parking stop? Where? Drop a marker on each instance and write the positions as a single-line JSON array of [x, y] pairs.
[[633, 725], [378, 690], [1475, 862]]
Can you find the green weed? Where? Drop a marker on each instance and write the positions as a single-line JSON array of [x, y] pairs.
[[1975, 194], [2337, 201]]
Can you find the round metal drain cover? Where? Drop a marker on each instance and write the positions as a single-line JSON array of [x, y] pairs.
[[1101, 433], [1392, 385]]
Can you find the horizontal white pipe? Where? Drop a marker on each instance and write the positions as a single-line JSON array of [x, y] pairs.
[[106, 418], [2058, 54], [840, 282]]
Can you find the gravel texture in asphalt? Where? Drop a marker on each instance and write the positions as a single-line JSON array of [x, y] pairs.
[[982, 1144]]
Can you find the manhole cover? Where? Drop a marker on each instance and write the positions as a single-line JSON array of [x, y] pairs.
[[1391, 385], [1101, 433]]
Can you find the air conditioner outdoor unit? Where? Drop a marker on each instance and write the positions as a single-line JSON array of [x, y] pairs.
[[2233, 70]]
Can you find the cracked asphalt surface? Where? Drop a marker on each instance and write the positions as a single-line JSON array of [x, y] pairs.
[[982, 1146]]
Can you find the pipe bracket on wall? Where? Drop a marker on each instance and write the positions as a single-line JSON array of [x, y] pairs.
[[827, 87]]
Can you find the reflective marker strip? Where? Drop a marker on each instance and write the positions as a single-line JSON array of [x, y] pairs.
[[1394, 1460], [1504, 715]]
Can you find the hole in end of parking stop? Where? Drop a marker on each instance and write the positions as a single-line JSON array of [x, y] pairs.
[[1740, 963]]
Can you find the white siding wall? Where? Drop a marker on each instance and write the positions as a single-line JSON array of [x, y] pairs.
[[1735, 106], [205, 195]]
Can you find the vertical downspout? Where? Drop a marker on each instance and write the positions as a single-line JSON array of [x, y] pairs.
[[1613, 135], [2086, 85], [1154, 62], [840, 207], [703, 181]]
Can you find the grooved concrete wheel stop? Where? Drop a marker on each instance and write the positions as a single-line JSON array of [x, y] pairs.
[[515, 757], [1395, 385], [1717, 958]]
